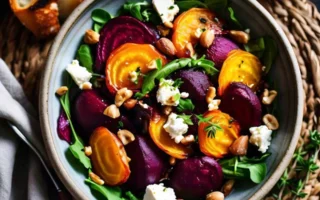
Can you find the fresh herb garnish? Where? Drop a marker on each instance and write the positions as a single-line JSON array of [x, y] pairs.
[[233, 19], [177, 83], [100, 16], [171, 7], [108, 192], [130, 196], [77, 146], [120, 125], [212, 128], [138, 71], [185, 105], [84, 56], [186, 119]]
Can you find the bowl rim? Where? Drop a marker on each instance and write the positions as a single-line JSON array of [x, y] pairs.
[[44, 96]]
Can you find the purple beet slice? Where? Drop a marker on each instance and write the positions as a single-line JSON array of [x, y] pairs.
[[242, 104], [121, 30], [219, 50], [64, 130]]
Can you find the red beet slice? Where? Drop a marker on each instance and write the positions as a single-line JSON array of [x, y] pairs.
[[64, 130], [219, 50], [121, 30], [242, 104]]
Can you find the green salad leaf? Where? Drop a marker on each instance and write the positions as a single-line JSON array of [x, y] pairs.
[[244, 168], [185, 5], [185, 105], [131, 196], [217, 5], [256, 47], [77, 146], [100, 16], [110, 193], [97, 27], [234, 19], [186, 119], [84, 56]]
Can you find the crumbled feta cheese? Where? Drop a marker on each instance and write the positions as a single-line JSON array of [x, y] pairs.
[[261, 137], [133, 76], [214, 104], [166, 9], [159, 192], [167, 94], [175, 127], [184, 95], [79, 74]]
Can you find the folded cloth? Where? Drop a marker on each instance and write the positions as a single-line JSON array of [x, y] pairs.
[[21, 174]]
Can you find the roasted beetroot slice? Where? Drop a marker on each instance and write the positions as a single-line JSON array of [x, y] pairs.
[[64, 130], [242, 104], [121, 30]]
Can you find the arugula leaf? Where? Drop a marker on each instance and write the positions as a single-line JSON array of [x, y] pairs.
[[100, 16], [270, 53], [240, 168], [131, 196], [111, 193], [77, 147], [185, 5], [206, 65], [186, 119], [84, 57], [233, 18], [185, 105]]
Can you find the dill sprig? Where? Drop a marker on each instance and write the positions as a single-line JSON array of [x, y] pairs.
[[212, 128]]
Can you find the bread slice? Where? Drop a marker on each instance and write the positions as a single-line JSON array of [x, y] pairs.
[[43, 22]]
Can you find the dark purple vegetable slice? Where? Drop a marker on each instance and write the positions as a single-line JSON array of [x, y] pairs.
[[194, 178], [64, 130], [219, 50], [88, 113], [118, 31], [196, 84], [242, 104], [147, 164]]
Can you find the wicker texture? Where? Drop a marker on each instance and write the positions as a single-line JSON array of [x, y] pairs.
[[299, 19]]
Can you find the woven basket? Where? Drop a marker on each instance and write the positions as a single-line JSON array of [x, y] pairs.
[[299, 19]]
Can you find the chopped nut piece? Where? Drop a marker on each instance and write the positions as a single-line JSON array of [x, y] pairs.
[[91, 37], [95, 178], [187, 140], [152, 65], [211, 94], [128, 159], [112, 111], [62, 90], [240, 146], [227, 187], [214, 104], [168, 24], [166, 46], [125, 136], [130, 103], [87, 86], [122, 95], [215, 196], [240, 36], [268, 96], [164, 31], [88, 151], [143, 105], [167, 110], [207, 38], [271, 122], [172, 161]]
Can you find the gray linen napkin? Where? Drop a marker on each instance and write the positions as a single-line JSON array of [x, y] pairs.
[[21, 174]]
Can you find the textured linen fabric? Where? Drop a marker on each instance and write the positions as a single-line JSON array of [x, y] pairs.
[[21, 174]]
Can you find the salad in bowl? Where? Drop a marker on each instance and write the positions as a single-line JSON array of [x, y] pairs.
[[169, 100]]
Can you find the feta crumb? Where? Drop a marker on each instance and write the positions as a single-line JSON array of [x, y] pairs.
[[214, 104], [184, 95], [79, 74], [261, 137], [175, 127], [166, 9], [133, 76], [167, 94], [159, 192]]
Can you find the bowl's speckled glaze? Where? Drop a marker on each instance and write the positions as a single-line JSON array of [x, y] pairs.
[[285, 74]]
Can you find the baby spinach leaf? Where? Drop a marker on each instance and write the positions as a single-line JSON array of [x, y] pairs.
[[100, 16], [142, 10], [77, 151], [84, 56], [233, 19], [97, 27], [110, 193], [256, 47], [185, 5], [185, 105], [270, 53]]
